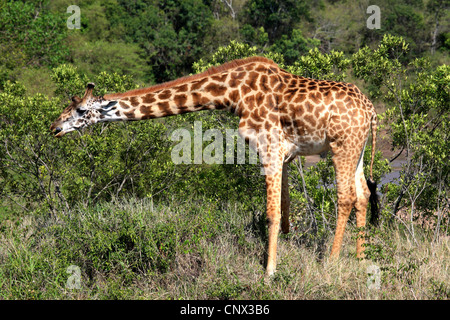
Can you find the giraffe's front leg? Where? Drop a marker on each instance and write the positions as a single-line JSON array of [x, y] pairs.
[[285, 201], [273, 183], [270, 148], [273, 172]]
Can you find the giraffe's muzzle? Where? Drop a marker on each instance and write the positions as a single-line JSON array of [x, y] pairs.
[[58, 132]]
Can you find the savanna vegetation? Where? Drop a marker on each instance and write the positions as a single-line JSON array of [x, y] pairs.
[[106, 214]]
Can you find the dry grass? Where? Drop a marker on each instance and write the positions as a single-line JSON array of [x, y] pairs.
[[415, 273], [226, 270], [216, 254]]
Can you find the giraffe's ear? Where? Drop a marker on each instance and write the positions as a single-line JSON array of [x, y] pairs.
[[76, 99], [88, 94]]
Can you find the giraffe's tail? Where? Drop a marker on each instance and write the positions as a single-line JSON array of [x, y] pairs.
[[371, 184]]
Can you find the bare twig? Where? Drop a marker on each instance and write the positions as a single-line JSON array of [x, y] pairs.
[[308, 205], [229, 4]]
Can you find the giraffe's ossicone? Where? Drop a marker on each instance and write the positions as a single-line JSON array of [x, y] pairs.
[[280, 114]]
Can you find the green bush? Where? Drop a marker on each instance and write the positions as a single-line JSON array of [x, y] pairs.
[[119, 242], [38, 169], [30, 37]]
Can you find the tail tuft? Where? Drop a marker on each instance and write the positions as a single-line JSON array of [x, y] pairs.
[[373, 200]]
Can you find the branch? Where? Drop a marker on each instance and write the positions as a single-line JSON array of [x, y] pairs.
[[229, 4], [308, 205], [403, 148]]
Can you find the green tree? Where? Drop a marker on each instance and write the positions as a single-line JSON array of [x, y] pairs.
[[39, 171], [319, 65], [405, 19], [31, 36], [94, 57], [277, 17], [234, 50], [170, 32], [418, 111], [293, 47], [437, 11]]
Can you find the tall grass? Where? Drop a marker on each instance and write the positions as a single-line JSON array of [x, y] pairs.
[[136, 249]]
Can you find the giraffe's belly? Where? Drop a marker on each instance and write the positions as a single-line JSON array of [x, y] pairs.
[[305, 129], [305, 145]]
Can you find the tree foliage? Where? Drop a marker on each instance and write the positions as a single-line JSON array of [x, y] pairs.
[[418, 113], [31, 36], [121, 45]]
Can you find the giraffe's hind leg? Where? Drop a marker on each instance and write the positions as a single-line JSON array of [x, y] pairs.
[[345, 167], [362, 199], [352, 192]]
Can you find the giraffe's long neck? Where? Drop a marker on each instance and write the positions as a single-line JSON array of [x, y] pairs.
[[218, 91]]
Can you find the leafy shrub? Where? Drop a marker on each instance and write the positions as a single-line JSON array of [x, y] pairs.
[[30, 37], [39, 169]]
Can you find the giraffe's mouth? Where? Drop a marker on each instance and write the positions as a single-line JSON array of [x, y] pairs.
[[58, 132]]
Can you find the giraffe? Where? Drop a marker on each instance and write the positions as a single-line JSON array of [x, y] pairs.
[[280, 114]]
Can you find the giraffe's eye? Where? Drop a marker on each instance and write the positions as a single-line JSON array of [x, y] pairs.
[[81, 111]]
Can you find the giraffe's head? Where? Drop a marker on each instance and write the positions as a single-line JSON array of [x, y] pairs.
[[81, 112]]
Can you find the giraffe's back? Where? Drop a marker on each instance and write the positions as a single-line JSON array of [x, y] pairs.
[[319, 112]]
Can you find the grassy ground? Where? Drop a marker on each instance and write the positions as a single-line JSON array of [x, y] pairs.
[[203, 250]]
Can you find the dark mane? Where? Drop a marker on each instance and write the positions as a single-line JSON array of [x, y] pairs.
[[169, 84]]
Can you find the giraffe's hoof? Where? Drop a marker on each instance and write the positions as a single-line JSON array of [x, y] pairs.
[[270, 273], [361, 256]]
